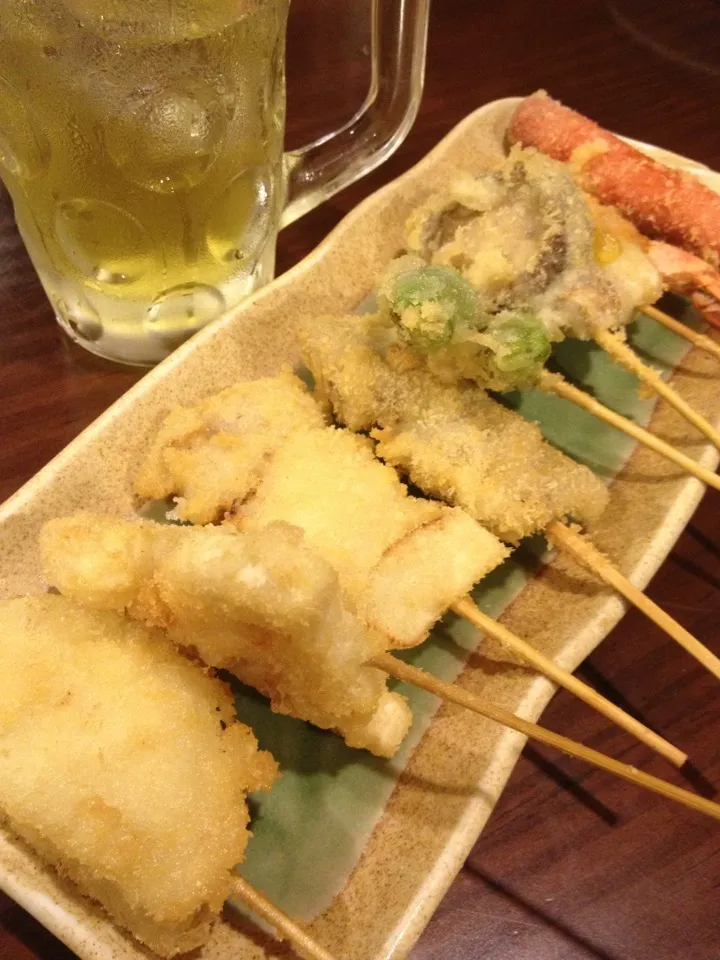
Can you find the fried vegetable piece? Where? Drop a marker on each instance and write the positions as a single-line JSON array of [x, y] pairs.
[[122, 765], [261, 605], [452, 441], [214, 452], [402, 561], [437, 314], [529, 242], [429, 302]]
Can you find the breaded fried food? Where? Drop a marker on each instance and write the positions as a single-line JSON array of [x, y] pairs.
[[261, 605], [402, 561], [212, 453], [123, 766], [452, 440]]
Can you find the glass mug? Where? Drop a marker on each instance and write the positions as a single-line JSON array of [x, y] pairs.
[[141, 142]]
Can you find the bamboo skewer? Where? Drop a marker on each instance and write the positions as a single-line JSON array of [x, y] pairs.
[[287, 929], [699, 340], [552, 383], [469, 611], [626, 357], [448, 691], [585, 553]]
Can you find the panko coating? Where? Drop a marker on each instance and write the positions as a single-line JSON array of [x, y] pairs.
[[452, 440], [262, 605], [123, 766], [214, 452], [401, 560]]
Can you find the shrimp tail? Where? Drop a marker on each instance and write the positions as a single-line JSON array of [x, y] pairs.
[[685, 273]]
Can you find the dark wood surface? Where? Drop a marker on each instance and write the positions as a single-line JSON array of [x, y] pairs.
[[572, 865]]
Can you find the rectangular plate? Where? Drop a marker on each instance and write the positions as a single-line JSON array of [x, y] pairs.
[[403, 846]]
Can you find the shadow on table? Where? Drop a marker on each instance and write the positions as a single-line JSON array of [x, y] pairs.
[[498, 887]]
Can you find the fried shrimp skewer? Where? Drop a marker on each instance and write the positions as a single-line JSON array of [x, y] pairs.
[[456, 443], [401, 561], [665, 203], [261, 605]]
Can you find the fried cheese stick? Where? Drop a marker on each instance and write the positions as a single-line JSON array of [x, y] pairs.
[[122, 764], [662, 201], [261, 605]]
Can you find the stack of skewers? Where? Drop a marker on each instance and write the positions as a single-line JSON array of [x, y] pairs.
[[307, 560]]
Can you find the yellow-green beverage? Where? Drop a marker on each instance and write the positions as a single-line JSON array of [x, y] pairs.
[[141, 141]]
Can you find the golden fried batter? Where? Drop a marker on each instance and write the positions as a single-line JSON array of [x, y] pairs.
[[214, 452], [261, 605], [121, 763], [402, 561], [452, 441]]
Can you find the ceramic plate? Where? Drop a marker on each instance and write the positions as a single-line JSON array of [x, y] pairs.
[[360, 848]]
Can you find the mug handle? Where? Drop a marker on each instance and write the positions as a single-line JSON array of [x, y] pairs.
[[317, 171]]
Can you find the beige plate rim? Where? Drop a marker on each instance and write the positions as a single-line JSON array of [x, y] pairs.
[[539, 691]]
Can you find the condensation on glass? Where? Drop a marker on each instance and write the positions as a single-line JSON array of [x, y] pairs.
[[142, 144]]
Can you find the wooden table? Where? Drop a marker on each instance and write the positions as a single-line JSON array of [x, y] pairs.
[[572, 864]]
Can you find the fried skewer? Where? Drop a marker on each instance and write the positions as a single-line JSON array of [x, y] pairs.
[[90, 779], [455, 442], [261, 605], [328, 483], [662, 201], [173, 576], [503, 264], [84, 621]]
